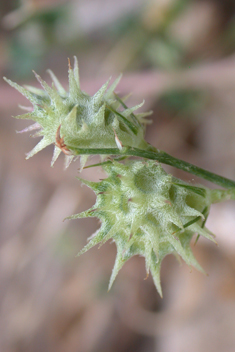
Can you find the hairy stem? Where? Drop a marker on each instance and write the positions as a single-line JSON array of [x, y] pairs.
[[220, 195], [158, 155]]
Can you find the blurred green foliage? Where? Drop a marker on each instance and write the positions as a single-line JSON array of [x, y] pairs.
[[142, 35], [186, 102]]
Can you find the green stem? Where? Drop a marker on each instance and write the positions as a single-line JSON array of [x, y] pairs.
[[221, 195], [160, 156]]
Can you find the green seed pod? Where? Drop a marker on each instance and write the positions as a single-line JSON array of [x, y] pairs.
[[82, 120], [147, 212]]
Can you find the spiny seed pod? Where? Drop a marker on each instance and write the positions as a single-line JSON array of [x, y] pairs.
[[147, 212], [82, 120]]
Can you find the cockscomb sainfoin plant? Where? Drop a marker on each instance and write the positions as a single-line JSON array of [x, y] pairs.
[[142, 208]]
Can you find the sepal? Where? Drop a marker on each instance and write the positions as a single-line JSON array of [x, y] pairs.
[[85, 122], [147, 212]]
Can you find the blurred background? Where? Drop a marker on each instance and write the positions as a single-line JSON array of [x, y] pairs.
[[178, 55]]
